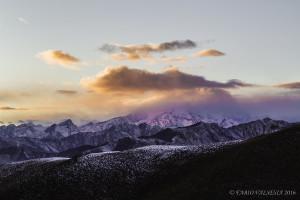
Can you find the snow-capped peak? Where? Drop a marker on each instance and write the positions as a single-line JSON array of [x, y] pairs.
[[100, 126], [179, 118]]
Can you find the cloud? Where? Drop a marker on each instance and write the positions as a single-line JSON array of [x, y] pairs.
[[110, 48], [124, 79], [10, 95], [175, 45], [66, 92], [209, 52], [23, 20], [136, 57], [294, 85], [147, 48], [174, 59], [140, 51], [45, 105], [200, 100], [126, 56], [275, 106], [8, 108], [58, 57]]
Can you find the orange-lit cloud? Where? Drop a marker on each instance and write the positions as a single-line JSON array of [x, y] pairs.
[[8, 108], [66, 92], [293, 85], [148, 58], [107, 102], [180, 59], [11, 95], [58, 57], [209, 53], [126, 56], [124, 79]]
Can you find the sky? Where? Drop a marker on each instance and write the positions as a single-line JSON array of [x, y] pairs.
[[99, 59]]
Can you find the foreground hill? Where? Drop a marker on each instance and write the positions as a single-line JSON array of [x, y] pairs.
[[266, 162]]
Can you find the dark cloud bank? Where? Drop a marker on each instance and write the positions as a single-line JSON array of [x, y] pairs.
[[148, 48]]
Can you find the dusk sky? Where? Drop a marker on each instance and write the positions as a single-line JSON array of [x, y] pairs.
[[99, 59]]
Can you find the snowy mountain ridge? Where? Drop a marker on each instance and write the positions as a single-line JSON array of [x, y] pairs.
[[29, 140], [173, 119]]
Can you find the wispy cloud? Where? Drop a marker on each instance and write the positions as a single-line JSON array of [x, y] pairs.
[[293, 85], [58, 57], [8, 108], [23, 20], [180, 59], [124, 79], [128, 56], [66, 92], [7, 95], [209, 53], [140, 51]]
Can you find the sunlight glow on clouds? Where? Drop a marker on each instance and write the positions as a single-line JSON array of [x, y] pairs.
[[293, 85], [121, 90], [58, 57], [8, 108], [67, 92], [180, 59], [209, 53], [124, 79]]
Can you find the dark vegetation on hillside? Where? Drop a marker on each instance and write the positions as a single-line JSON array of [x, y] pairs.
[[266, 162]]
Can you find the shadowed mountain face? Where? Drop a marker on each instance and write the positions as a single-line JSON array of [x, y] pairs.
[[265, 162], [66, 139]]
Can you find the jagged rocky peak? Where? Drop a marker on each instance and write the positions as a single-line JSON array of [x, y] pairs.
[[9, 126], [274, 125], [68, 123], [104, 125], [62, 129], [271, 122], [51, 128], [281, 123], [203, 124], [23, 130]]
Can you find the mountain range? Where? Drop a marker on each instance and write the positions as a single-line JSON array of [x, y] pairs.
[[29, 140]]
